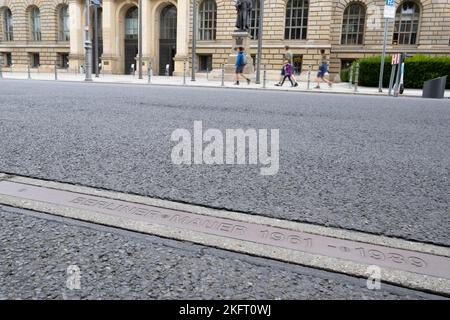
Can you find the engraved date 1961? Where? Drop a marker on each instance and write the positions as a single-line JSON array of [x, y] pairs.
[[286, 238]]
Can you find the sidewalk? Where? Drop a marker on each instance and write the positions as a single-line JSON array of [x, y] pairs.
[[343, 88]]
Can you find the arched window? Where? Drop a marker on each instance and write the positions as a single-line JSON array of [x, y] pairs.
[[406, 23], [64, 27], [35, 24], [208, 20], [353, 24], [8, 25], [296, 22], [168, 23], [254, 19], [131, 23]]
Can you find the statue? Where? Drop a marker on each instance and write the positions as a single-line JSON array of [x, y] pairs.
[[244, 11]]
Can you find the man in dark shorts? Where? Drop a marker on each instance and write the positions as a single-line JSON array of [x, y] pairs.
[[240, 65], [323, 69]]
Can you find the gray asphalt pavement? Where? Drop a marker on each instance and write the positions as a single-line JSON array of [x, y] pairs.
[[374, 164], [36, 249]]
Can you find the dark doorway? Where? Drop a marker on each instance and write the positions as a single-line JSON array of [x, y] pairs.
[[167, 39], [100, 37], [131, 40]]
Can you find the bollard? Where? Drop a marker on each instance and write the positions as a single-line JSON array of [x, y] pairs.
[[149, 72], [184, 72], [264, 76], [309, 77], [1, 71], [391, 80], [223, 74], [356, 77], [56, 72], [29, 74], [207, 73], [350, 80]]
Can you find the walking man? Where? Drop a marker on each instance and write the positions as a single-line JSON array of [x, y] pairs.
[[241, 62], [323, 69]]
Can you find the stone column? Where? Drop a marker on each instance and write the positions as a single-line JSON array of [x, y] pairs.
[[183, 27], [110, 57], [76, 55]]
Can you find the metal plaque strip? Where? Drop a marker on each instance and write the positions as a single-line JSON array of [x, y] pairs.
[[360, 252]]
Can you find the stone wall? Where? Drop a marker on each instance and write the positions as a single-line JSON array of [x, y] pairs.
[[324, 32], [22, 46]]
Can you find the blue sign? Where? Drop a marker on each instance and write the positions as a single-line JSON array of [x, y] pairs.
[[97, 2], [389, 9]]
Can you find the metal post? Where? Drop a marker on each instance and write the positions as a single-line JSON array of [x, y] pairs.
[[56, 71], [350, 83], [397, 81], [391, 80], [265, 76], [309, 77], [149, 72], [260, 35], [223, 74], [29, 73], [1, 71], [383, 54], [357, 77], [184, 72], [140, 41], [87, 46], [96, 39], [194, 38]]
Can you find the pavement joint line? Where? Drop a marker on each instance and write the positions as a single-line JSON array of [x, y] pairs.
[[76, 202]]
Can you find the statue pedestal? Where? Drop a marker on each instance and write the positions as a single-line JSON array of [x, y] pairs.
[[240, 39]]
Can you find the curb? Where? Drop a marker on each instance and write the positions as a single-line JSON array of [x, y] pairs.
[[227, 87]]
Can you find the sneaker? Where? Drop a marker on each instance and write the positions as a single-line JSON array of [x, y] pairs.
[[248, 81], [296, 84], [317, 87], [330, 84], [277, 84], [236, 83]]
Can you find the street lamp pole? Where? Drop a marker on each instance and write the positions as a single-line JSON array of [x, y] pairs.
[[260, 35], [96, 37], [194, 38], [383, 55], [87, 46], [140, 41]]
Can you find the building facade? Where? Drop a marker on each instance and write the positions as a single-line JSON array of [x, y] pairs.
[[42, 33]]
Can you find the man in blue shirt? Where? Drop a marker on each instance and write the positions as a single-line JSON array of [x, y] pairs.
[[240, 65]]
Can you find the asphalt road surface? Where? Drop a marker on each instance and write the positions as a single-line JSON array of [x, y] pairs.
[[363, 163], [375, 164]]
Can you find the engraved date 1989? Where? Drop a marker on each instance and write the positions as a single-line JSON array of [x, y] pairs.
[[374, 254]]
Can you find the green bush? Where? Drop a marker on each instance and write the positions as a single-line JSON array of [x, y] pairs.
[[418, 69]]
